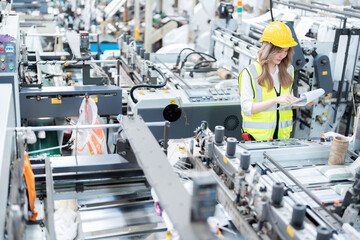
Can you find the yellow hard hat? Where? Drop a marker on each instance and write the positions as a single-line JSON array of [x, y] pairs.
[[279, 34]]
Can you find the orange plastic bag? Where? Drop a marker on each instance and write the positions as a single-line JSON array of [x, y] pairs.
[[30, 182], [89, 141]]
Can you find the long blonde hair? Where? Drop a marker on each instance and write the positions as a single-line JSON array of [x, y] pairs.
[[266, 53]]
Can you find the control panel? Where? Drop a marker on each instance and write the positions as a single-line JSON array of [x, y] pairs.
[[84, 42], [213, 95], [204, 197], [8, 57]]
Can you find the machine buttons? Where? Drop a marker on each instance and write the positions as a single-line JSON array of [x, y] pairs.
[[220, 98], [11, 67], [226, 98], [215, 98], [2, 59], [1, 49], [213, 91], [2, 67]]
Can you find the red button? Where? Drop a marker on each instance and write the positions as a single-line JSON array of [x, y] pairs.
[[220, 98], [1, 49], [3, 68]]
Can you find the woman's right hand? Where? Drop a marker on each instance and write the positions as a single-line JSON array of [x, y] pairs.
[[286, 98]]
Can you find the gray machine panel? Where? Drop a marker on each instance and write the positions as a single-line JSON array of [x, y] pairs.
[[45, 102], [191, 117], [7, 147]]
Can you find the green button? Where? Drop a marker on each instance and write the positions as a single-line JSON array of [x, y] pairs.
[[11, 67]]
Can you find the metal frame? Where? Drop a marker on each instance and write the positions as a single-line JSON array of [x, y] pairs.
[[173, 197]]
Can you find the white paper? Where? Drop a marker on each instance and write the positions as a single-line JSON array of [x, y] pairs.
[[305, 98]]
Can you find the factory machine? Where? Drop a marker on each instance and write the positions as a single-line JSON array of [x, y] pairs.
[[99, 196], [53, 84], [180, 88], [326, 57], [276, 189]]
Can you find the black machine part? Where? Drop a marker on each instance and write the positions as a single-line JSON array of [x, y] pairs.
[[219, 134], [298, 58], [323, 72], [245, 160], [225, 10], [277, 194], [323, 233], [172, 112], [298, 215]]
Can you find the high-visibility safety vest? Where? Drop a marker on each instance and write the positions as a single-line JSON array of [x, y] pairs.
[[262, 125]]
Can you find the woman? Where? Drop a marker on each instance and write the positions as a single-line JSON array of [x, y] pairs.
[[266, 84]]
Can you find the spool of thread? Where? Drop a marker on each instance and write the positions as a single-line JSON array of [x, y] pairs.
[[224, 74], [338, 151]]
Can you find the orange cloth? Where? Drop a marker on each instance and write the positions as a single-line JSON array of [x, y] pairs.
[[30, 182]]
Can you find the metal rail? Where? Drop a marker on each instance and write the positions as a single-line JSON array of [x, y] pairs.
[[75, 127], [301, 186]]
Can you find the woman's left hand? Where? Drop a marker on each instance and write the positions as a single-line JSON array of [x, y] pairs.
[[310, 103]]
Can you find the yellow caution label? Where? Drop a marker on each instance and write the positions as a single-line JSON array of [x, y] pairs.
[[95, 99], [141, 93], [225, 160], [172, 101], [324, 73], [55, 101], [290, 231], [165, 91]]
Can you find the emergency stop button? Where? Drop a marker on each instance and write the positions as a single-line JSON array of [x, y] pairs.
[[2, 67], [1, 49]]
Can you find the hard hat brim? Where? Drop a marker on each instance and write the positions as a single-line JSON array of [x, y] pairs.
[[285, 45]]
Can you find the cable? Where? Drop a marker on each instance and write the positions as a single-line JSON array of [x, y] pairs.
[[179, 55], [148, 85], [201, 54]]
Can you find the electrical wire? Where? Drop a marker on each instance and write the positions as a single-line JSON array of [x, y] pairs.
[[201, 54], [179, 56], [148, 85]]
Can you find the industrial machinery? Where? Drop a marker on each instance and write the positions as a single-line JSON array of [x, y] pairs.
[[53, 84], [104, 188], [274, 189], [315, 66], [171, 87]]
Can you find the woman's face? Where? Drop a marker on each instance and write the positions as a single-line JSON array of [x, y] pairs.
[[279, 56]]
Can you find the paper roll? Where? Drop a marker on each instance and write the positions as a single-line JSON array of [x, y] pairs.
[[224, 74], [338, 151]]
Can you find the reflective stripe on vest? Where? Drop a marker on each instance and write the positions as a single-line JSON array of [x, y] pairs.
[[262, 125]]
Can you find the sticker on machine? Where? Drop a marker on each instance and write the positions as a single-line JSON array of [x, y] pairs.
[[55, 101]]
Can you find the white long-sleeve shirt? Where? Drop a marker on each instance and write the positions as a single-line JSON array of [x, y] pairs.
[[247, 95]]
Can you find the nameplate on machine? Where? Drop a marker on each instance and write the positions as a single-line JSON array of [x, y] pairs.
[[55, 101]]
